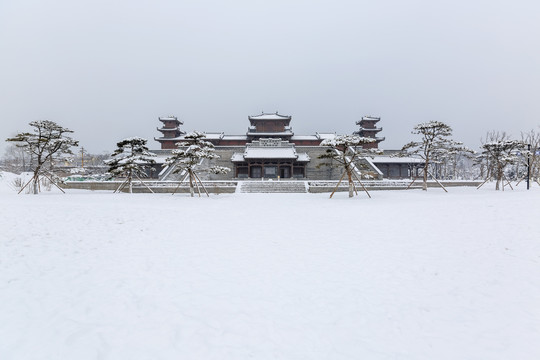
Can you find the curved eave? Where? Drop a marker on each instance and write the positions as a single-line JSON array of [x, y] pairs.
[[178, 122], [161, 139], [270, 116], [370, 130], [361, 122], [270, 134]]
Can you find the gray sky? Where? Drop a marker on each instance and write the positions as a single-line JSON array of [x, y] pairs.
[[107, 69]]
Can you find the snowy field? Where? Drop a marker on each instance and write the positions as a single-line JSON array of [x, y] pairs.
[[404, 275]]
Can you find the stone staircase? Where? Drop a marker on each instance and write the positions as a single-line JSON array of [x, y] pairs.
[[272, 187]]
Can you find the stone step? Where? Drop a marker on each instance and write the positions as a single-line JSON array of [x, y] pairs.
[[273, 187]]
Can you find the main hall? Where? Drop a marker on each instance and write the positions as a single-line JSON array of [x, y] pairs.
[[269, 149]]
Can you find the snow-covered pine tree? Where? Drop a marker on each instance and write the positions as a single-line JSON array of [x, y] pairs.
[[343, 151], [434, 143], [189, 154], [47, 141], [501, 153], [131, 159]]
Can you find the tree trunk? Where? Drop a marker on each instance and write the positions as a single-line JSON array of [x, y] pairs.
[[191, 188], [424, 184], [351, 194], [35, 189], [499, 175], [35, 182]]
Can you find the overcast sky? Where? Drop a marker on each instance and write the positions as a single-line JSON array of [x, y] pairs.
[[107, 69]]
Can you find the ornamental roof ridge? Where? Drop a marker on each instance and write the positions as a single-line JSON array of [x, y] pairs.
[[269, 116], [370, 118], [169, 118]]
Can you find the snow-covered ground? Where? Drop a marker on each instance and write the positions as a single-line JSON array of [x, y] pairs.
[[404, 275]]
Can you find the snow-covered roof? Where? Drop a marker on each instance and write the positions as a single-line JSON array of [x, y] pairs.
[[370, 118], [160, 159], [370, 129], [264, 152], [281, 133], [170, 118], [269, 116], [255, 152], [237, 157], [325, 136], [395, 160], [234, 137], [305, 137], [178, 138], [214, 136]]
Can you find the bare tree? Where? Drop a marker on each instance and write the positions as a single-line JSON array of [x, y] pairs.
[[47, 141], [448, 158], [344, 151], [189, 155], [531, 142], [16, 159], [131, 159]]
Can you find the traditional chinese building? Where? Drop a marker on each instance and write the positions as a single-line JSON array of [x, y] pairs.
[[270, 149], [171, 131], [270, 158], [264, 125], [369, 129]]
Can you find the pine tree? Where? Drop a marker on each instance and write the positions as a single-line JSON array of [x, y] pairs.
[[45, 144], [343, 151], [189, 155], [501, 153], [131, 159], [434, 143]]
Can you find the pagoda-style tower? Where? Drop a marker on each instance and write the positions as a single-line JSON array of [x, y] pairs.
[[170, 130], [269, 125], [368, 129]]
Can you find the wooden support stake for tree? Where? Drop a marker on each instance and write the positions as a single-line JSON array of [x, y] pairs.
[[485, 181], [196, 183], [408, 187], [180, 183], [29, 181], [121, 186], [52, 182], [142, 182], [339, 182], [363, 187], [507, 182], [199, 179], [441, 185]]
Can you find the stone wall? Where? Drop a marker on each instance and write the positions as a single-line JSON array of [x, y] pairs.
[[156, 186], [313, 172]]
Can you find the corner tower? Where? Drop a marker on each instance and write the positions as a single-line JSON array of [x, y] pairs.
[[369, 129], [171, 132]]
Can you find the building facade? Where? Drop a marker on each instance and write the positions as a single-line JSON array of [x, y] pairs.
[[271, 150]]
